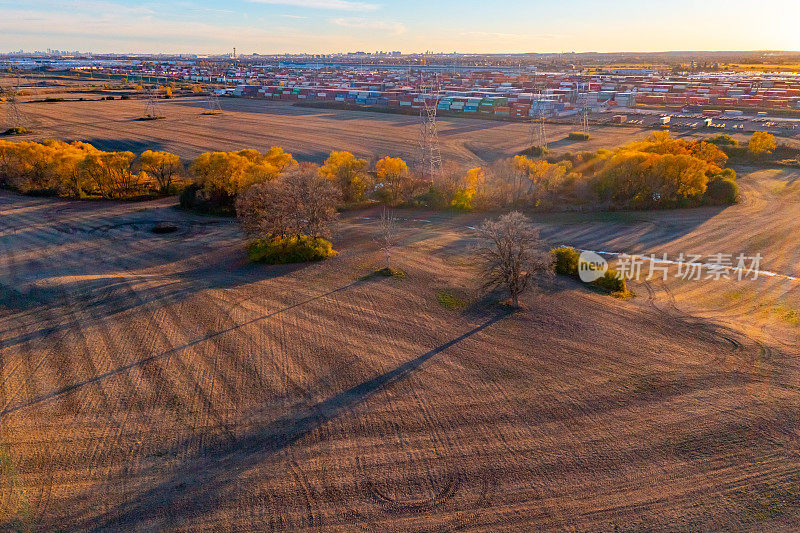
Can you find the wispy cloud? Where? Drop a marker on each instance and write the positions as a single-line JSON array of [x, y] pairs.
[[336, 5], [396, 28], [298, 17]]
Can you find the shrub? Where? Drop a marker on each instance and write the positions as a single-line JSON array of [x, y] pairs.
[[723, 140], [536, 151], [188, 197], [565, 259], [612, 282], [721, 191], [17, 130], [578, 136], [286, 250]]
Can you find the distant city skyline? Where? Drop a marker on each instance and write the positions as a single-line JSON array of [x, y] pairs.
[[330, 26]]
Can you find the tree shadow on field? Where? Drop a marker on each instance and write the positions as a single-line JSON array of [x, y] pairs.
[[121, 266], [179, 291], [622, 231], [201, 484], [137, 146]]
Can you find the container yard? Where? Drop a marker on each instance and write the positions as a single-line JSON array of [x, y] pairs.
[[512, 93]]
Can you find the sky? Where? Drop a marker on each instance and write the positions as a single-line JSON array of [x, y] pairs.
[[465, 26]]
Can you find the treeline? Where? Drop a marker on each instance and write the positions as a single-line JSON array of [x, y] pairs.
[[657, 172], [79, 170]]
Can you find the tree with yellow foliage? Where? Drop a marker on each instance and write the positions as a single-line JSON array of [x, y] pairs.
[[762, 143], [163, 167], [66, 162], [349, 173], [111, 173], [464, 196], [224, 175], [395, 179]]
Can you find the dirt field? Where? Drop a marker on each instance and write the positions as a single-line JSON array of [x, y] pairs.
[[309, 134], [160, 382]]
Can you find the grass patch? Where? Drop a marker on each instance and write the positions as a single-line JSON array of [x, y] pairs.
[[787, 314], [384, 273], [578, 136], [390, 273], [450, 301], [734, 295], [289, 250], [17, 514]]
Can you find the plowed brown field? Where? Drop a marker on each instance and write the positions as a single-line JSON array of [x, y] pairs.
[[309, 134], [159, 382]]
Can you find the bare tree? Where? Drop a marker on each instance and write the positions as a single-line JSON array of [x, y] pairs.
[[299, 202], [387, 237], [510, 254]]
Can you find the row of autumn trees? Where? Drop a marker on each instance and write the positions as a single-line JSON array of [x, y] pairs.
[[220, 177], [80, 170], [657, 172]]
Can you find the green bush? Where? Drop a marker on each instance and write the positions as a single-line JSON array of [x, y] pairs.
[[565, 259], [723, 140], [612, 282], [721, 191], [17, 130], [578, 136], [286, 250], [536, 151]]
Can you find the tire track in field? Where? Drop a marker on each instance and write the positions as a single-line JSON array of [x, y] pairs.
[[50, 336], [43, 450], [159, 304]]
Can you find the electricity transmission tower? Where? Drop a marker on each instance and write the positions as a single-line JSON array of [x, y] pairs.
[[538, 132], [430, 155], [14, 117], [213, 106], [151, 107], [584, 119]]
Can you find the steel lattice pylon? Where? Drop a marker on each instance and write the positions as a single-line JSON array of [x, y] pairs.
[[151, 107], [213, 106], [430, 157], [538, 132], [14, 116], [584, 118]]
